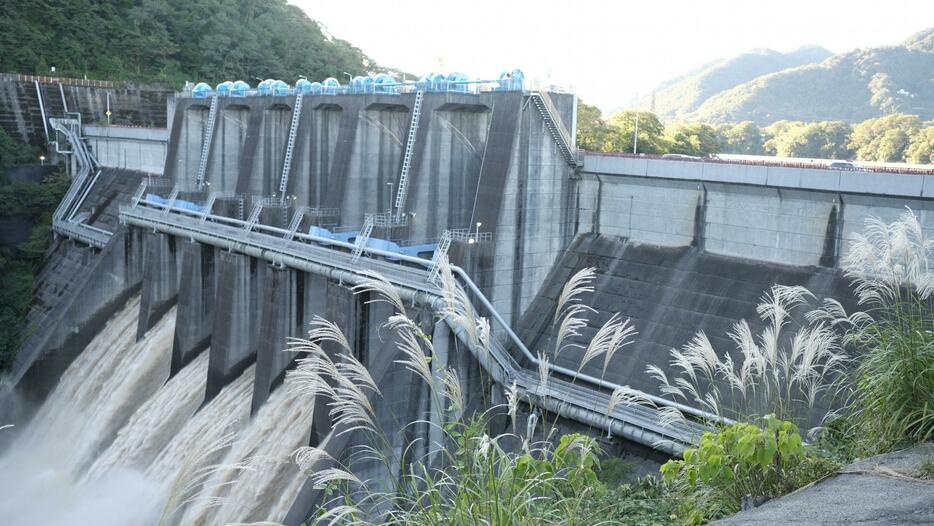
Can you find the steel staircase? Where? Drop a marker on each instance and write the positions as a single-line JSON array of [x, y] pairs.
[[362, 238], [208, 206], [434, 270], [139, 193], [206, 142], [555, 126], [290, 147], [402, 193], [170, 202], [254, 217]]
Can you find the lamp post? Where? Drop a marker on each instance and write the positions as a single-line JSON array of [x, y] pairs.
[[390, 197], [42, 160]]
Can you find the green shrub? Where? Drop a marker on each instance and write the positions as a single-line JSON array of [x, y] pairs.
[[739, 460]]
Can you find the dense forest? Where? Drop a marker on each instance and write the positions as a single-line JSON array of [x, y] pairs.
[[171, 41], [19, 263], [893, 138]]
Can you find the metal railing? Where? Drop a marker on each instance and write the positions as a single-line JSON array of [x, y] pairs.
[[81, 184], [555, 126], [307, 252]]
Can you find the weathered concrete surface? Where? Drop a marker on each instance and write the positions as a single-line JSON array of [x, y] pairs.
[[669, 293], [878, 490], [236, 320], [277, 324], [160, 280], [195, 303]]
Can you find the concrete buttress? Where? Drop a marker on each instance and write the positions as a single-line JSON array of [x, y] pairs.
[[160, 280], [195, 303], [236, 320]]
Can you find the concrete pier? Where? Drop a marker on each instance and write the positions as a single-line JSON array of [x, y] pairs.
[[278, 322], [195, 303], [160, 280], [236, 320]]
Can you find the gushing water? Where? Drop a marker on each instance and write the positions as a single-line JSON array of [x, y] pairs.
[[156, 422], [264, 484], [116, 444]]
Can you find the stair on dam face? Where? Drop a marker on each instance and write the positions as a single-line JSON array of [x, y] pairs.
[[669, 294]]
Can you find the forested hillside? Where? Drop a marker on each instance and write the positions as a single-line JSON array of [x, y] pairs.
[[170, 41], [852, 87], [677, 97]]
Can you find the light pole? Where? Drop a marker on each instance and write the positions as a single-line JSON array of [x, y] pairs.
[[635, 136], [390, 197], [42, 160]]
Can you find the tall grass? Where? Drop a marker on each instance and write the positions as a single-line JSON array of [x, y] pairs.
[[892, 385], [779, 371], [472, 477]]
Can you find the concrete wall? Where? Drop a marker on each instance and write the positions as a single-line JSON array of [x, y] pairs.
[[771, 214], [484, 158], [140, 149], [130, 105]]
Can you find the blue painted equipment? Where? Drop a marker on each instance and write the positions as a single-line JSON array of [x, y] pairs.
[[201, 91]]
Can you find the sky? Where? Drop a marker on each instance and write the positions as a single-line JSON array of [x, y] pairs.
[[608, 52]]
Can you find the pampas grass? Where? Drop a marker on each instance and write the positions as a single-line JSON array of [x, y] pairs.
[[778, 372]]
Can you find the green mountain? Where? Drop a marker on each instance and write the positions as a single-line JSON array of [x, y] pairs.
[[682, 95], [852, 86], [171, 41]]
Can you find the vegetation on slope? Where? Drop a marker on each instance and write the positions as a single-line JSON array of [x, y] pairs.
[[20, 263], [681, 96], [892, 138], [171, 41], [852, 87]]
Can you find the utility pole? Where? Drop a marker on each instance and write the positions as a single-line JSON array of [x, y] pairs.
[[635, 135]]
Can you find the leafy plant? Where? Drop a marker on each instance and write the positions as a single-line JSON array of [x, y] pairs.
[[739, 460]]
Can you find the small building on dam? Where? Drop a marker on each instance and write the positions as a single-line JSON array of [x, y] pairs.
[[203, 243]]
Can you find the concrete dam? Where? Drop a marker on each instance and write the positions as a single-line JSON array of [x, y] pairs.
[[172, 287]]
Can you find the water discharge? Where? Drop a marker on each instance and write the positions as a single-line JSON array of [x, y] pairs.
[[118, 443]]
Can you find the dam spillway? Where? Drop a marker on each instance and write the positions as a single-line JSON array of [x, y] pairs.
[[263, 217]]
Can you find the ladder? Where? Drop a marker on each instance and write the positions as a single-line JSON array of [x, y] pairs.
[[206, 142], [170, 202], [254, 217], [362, 238], [441, 252], [562, 138], [407, 156], [208, 207], [290, 146]]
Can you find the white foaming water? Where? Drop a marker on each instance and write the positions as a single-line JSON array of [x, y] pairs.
[[116, 444], [95, 397], [226, 414], [266, 490], [156, 422]]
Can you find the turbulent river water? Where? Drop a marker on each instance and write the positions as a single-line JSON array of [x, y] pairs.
[[119, 443]]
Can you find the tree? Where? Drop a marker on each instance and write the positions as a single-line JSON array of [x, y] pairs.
[[693, 139], [885, 138], [821, 140], [921, 147], [741, 138], [651, 132], [592, 131]]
